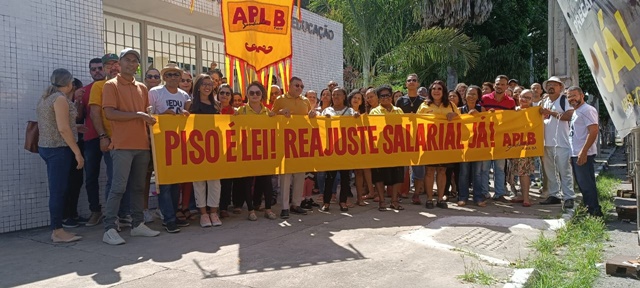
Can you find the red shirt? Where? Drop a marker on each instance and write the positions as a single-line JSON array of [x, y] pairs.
[[228, 110], [91, 131], [489, 101]]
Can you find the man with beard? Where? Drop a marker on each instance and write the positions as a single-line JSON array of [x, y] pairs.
[[584, 132], [557, 149]]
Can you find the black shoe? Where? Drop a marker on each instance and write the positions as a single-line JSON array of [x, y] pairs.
[[313, 203], [551, 200], [344, 208], [306, 205], [171, 227], [298, 210], [81, 220], [182, 223], [429, 204], [442, 204], [284, 214], [69, 223], [324, 208], [568, 204]]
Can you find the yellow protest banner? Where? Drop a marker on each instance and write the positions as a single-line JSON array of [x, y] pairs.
[[202, 147]]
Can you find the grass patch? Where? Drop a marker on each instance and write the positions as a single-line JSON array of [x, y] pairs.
[[569, 259], [477, 275]]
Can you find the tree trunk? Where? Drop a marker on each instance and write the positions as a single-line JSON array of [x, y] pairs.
[[366, 67], [452, 78]]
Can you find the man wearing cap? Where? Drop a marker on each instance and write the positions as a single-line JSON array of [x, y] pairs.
[[513, 83], [125, 101], [169, 99], [556, 161], [111, 68]]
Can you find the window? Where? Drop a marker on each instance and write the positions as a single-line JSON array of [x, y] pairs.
[[212, 51], [166, 46], [120, 34]]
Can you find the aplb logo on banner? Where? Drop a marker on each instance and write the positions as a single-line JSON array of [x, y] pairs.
[[257, 39], [608, 33], [206, 147]]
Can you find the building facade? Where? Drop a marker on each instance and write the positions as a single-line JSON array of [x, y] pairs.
[[38, 36]]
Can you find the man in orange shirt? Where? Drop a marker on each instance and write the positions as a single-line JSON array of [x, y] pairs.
[[125, 101]]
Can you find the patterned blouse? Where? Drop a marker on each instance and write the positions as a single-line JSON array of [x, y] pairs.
[[50, 137]]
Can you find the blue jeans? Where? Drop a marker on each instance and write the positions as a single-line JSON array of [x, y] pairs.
[[168, 199], [129, 174], [58, 161], [482, 175], [499, 177], [463, 181], [586, 178]]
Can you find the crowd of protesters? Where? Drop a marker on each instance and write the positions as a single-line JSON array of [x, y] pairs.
[[108, 121]]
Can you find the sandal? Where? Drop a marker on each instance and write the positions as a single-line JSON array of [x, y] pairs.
[[270, 215], [416, 201], [381, 207], [368, 196], [377, 199], [526, 204], [362, 203], [396, 206]]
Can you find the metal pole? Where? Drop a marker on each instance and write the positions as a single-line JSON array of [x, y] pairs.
[[636, 172]]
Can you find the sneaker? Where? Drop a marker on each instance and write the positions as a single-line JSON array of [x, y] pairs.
[[171, 227], [125, 221], [501, 199], [94, 219], [81, 220], [112, 237], [568, 204], [306, 205], [551, 200], [313, 203], [284, 214], [69, 223], [270, 215], [182, 223], [298, 210], [205, 221], [252, 216], [148, 216], [144, 231], [215, 220]]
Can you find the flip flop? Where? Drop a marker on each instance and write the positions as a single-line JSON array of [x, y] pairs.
[[396, 207]]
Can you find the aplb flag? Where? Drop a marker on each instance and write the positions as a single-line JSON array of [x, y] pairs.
[[257, 39], [607, 32]]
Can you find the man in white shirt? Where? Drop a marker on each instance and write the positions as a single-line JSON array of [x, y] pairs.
[[584, 132], [556, 161], [169, 99]]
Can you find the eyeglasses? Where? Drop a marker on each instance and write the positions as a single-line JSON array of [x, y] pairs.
[[255, 93], [412, 80], [384, 95], [172, 75], [185, 80], [152, 77], [224, 93], [299, 86], [93, 69]]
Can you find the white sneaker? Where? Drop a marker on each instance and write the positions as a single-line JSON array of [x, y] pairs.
[[159, 213], [148, 216], [215, 220], [112, 237], [205, 221], [144, 231]]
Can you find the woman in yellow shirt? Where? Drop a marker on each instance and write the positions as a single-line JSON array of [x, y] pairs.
[[256, 96], [437, 103]]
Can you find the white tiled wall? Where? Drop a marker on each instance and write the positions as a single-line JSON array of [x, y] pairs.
[[36, 37]]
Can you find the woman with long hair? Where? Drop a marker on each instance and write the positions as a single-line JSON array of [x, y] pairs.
[[454, 170], [325, 100], [479, 170], [207, 193], [437, 103], [363, 181], [338, 107], [186, 189], [57, 145], [256, 95]]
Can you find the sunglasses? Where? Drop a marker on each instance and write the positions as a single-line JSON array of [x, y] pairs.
[[172, 74], [224, 93], [152, 77], [299, 86], [255, 93], [185, 80], [412, 80], [384, 95], [96, 69]]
